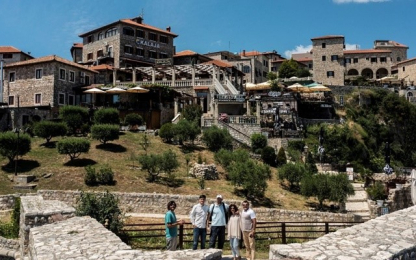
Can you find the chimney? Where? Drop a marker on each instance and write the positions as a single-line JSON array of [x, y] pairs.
[[138, 19], [244, 52], [168, 28]]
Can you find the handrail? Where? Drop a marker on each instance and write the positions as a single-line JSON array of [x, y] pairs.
[[245, 137], [218, 87], [231, 87]]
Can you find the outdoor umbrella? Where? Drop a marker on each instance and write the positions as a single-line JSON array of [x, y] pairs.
[[250, 86], [313, 84], [94, 91], [319, 88], [137, 89], [115, 90], [298, 88]]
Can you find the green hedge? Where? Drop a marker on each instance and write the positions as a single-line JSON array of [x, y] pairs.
[[105, 133], [73, 146]]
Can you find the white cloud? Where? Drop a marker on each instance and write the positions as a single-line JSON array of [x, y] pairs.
[[352, 46], [358, 1], [216, 43], [298, 49]]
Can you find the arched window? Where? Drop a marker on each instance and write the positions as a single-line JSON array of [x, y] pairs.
[[110, 32], [128, 31], [100, 36]]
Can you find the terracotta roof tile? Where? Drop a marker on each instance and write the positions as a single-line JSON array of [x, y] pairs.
[[77, 45], [128, 21], [304, 59], [9, 49], [219, 63], [250, 53], [48, 59], [366, 51], [327, 37], [102, 67], [396, 44], [406, 61], [185, 53]]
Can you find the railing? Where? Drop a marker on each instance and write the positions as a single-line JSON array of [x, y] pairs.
[[231, 87], [230, 97], [169, 83], [218, 87], [207, 122], [152, 236], [241, 137], [242, 120]]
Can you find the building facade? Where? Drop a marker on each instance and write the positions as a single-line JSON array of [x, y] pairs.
[[406, 70], [10, 54]]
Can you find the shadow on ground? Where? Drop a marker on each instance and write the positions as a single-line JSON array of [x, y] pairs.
[[22, 166], [80, 162], [110, 147]]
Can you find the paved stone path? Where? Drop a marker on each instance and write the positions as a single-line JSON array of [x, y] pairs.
[[390, 236], [357, 204]]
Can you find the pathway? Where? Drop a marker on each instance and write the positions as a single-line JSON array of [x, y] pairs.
[[357, 204]]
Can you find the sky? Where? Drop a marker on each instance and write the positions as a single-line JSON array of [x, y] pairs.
[[45, 27]]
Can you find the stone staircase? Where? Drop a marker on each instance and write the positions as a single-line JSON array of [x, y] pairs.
[[357, 204], [236, 134]]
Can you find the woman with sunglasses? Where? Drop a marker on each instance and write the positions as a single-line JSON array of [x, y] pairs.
[[234, 230]]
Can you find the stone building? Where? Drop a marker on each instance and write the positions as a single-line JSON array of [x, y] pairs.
[[40, 86], [333, 65], [126, 43], [406, 70], [189, 57], [10, 54]]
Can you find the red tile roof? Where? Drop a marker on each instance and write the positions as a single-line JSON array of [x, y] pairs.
[[102, 67], [219, 63], [128, 21], [396, 44], [48, 59], [185, 53], [77, 45], [304, 59], [327, 37], [279, 60], [365, 51], [250, 53], [406, 61], [9, 49]]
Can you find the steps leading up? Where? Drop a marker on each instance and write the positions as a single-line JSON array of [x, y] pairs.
[[357, 203]]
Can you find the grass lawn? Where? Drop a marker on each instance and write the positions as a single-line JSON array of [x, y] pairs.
[[121, 155]]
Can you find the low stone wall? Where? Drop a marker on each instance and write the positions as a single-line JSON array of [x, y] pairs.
[[85, 238], [387, 237], [267, 214], [8, 248], [7, 202], [397, 199]]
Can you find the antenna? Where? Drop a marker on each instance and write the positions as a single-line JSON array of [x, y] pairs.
[[142, 13]]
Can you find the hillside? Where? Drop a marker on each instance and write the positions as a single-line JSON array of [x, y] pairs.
[[119, 156]]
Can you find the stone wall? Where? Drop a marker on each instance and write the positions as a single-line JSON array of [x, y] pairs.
[[7, 201], [397, 199], [407, 71], [268, 214]]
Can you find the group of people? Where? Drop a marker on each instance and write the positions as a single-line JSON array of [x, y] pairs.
[[216, 218]]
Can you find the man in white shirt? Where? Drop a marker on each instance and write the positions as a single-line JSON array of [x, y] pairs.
[[248, 219], [198, 218], [217, 214]]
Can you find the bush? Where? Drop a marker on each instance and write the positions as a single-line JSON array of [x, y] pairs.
[[377, 191], [268, 155], [105, 133], [9, 143], [192, 113], [281, 157], [293, 173], [74, 117], [156, 163], [107, 116], [258, 142], [104, 176], [216, 138], [102, 207], [11, 230], [90, 177], [297, 145], [73, 146], [186, 130], [167, 132], [49, 129], [133, 119]]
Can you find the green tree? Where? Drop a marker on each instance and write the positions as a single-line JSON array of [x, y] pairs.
[[108, 116], [216, 138], [186, 130], [169, 162], [167, 132], [152, 164], [73, 146], [103, 207], [192, 113], [258, 142], [105, 133], [288, 69], [341, 188], [74, 117], [281, 157], [133, 119], [268, 155], [144, 142], [12, 146], [303, 73], [49, 129], [293, 173], [272, 77]]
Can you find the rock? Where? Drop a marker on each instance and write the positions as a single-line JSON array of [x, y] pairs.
[[208, 171]]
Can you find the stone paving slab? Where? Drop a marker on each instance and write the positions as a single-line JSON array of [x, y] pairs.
[[357, 206]]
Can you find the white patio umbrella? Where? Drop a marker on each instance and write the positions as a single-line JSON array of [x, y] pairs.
[[137, 89], [115, 90], [298, 88], [94, 91], [319, 88]]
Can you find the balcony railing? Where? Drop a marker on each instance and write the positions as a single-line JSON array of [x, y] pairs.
[[169, 83], [242, 120], [230, 97]]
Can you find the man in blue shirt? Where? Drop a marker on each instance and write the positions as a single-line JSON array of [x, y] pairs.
[[172, 227], [217, 214]]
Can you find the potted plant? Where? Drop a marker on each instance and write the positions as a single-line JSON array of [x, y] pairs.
[[377, 192]]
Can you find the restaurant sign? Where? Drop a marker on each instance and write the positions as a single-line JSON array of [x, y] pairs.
[[164, 62], [147, 43], [268, 111]]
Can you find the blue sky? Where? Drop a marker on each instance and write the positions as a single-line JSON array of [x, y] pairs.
[[45, 27]]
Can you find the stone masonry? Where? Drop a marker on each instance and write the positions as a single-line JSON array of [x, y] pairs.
[[207, 171], [391, 236], [407, 70]]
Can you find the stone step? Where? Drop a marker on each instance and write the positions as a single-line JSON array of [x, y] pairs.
[[358, 186], [358, 196], [356, 206]]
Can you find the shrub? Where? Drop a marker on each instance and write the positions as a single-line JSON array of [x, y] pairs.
[[167, 132], [258, 142], [74, 117], [186, 130], [49, 129], [377, 191], [9, 144], [133, 119], [268, 155], [216, 138], [297, 145], [105, 175], [11, 229], [102, 207], [73, 147], [192, 113], [90, 177], [107, 116], [105, 133], [281, 157], [293, 173], [156, 163]]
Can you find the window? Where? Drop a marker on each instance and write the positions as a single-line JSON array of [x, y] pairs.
[[399, 59], [62, 73], [323, 45], [140, 52], [152, 36], [81, 77], [163, 55], [373, 60], [12, 76], [246, 69], [90, 38], [164, 39], [323, 58], [330, 74], [11, 100], [61, 99], [100, 36], [100, 53], [140, 34], [334, 57], [72, 76], [128, 31], [404, 68], [87, 80], [310, 66], [38, 73], [89, 56], [71, 100], [110, 32], [128, 49], [367, 58], [152, 55], [347, 60], [355, 60], [383, 59], [38, 98], [264, 74], [7, 55]]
